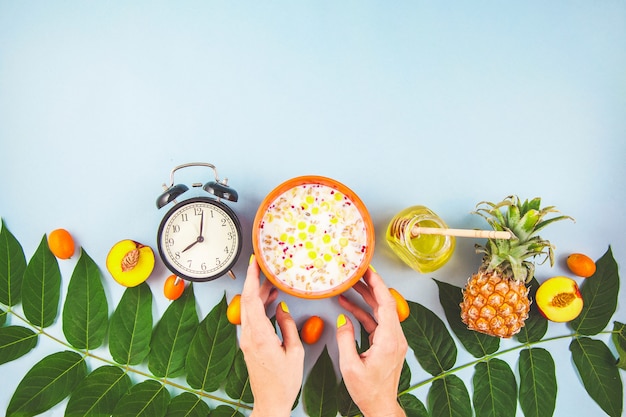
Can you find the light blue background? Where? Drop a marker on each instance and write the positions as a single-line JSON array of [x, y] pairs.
[[444, 104]]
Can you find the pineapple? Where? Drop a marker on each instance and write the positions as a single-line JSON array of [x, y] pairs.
[[495, 299]]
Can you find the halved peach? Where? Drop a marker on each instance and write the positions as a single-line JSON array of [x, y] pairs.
[[559, 299], [130, 263]]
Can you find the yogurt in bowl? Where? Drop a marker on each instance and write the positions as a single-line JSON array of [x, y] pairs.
[[313, 237]]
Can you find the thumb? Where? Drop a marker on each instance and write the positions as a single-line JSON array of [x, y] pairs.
[[288, 327], [346, 343]]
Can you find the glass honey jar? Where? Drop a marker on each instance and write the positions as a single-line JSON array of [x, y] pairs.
[[424, 252]]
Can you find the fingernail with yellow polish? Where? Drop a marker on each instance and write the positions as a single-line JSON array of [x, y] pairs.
[[283, 306], [372, 268], [341, 320], [251, 259]]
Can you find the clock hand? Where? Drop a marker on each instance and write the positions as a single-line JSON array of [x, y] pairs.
[[200, 238], [190, 246]]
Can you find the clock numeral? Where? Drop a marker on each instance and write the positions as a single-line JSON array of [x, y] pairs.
[[231, 235], [211, 213], [224, 223], [184, 217], [198, 211], [217, 261], [226, 249], [175, 229], [170, 242], [177, 255], [202, 265]]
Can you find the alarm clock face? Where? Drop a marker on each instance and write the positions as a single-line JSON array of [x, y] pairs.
[[199, 239]]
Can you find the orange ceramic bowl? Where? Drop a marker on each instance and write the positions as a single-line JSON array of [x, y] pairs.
[[313, 237]]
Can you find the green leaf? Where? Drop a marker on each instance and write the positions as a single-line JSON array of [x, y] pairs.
[[41, 288], [12, 267], [430, 340], [146, 399], [596, 366], [478, 344], [365, 341], [448, 397], [212, 350], [536, 325], [345, 405], [405, 377], [15, 342], [599, 293], [619, 339], [412, 406], [48, 382], [131, 326], [320, 388], [99, 393], [86, 312], [172, 336], [295, 402], [187, 405], [238, 383], [495, 389], [3, 317], [225, 411], [537, 388]]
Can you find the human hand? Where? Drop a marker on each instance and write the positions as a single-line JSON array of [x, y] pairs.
[[372, 378], [266, 357]]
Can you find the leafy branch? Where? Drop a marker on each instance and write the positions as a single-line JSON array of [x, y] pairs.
[[128, 369], [204, 353], [496, 355]]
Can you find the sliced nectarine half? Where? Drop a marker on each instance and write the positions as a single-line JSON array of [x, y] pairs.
[[559, 299], [130, 263]]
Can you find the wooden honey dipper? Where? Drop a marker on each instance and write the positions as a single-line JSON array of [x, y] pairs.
[[400, 224]]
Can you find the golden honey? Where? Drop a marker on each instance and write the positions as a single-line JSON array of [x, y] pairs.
[[422, 252]]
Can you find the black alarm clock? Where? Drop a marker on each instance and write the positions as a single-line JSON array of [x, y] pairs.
[[199, 239]]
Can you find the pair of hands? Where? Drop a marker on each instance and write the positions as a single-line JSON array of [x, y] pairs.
[[371, 377]]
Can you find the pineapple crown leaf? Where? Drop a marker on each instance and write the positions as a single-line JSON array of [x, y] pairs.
[[533, 204], [493, 217], [544, 223], [519, 271], [524, 220]]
